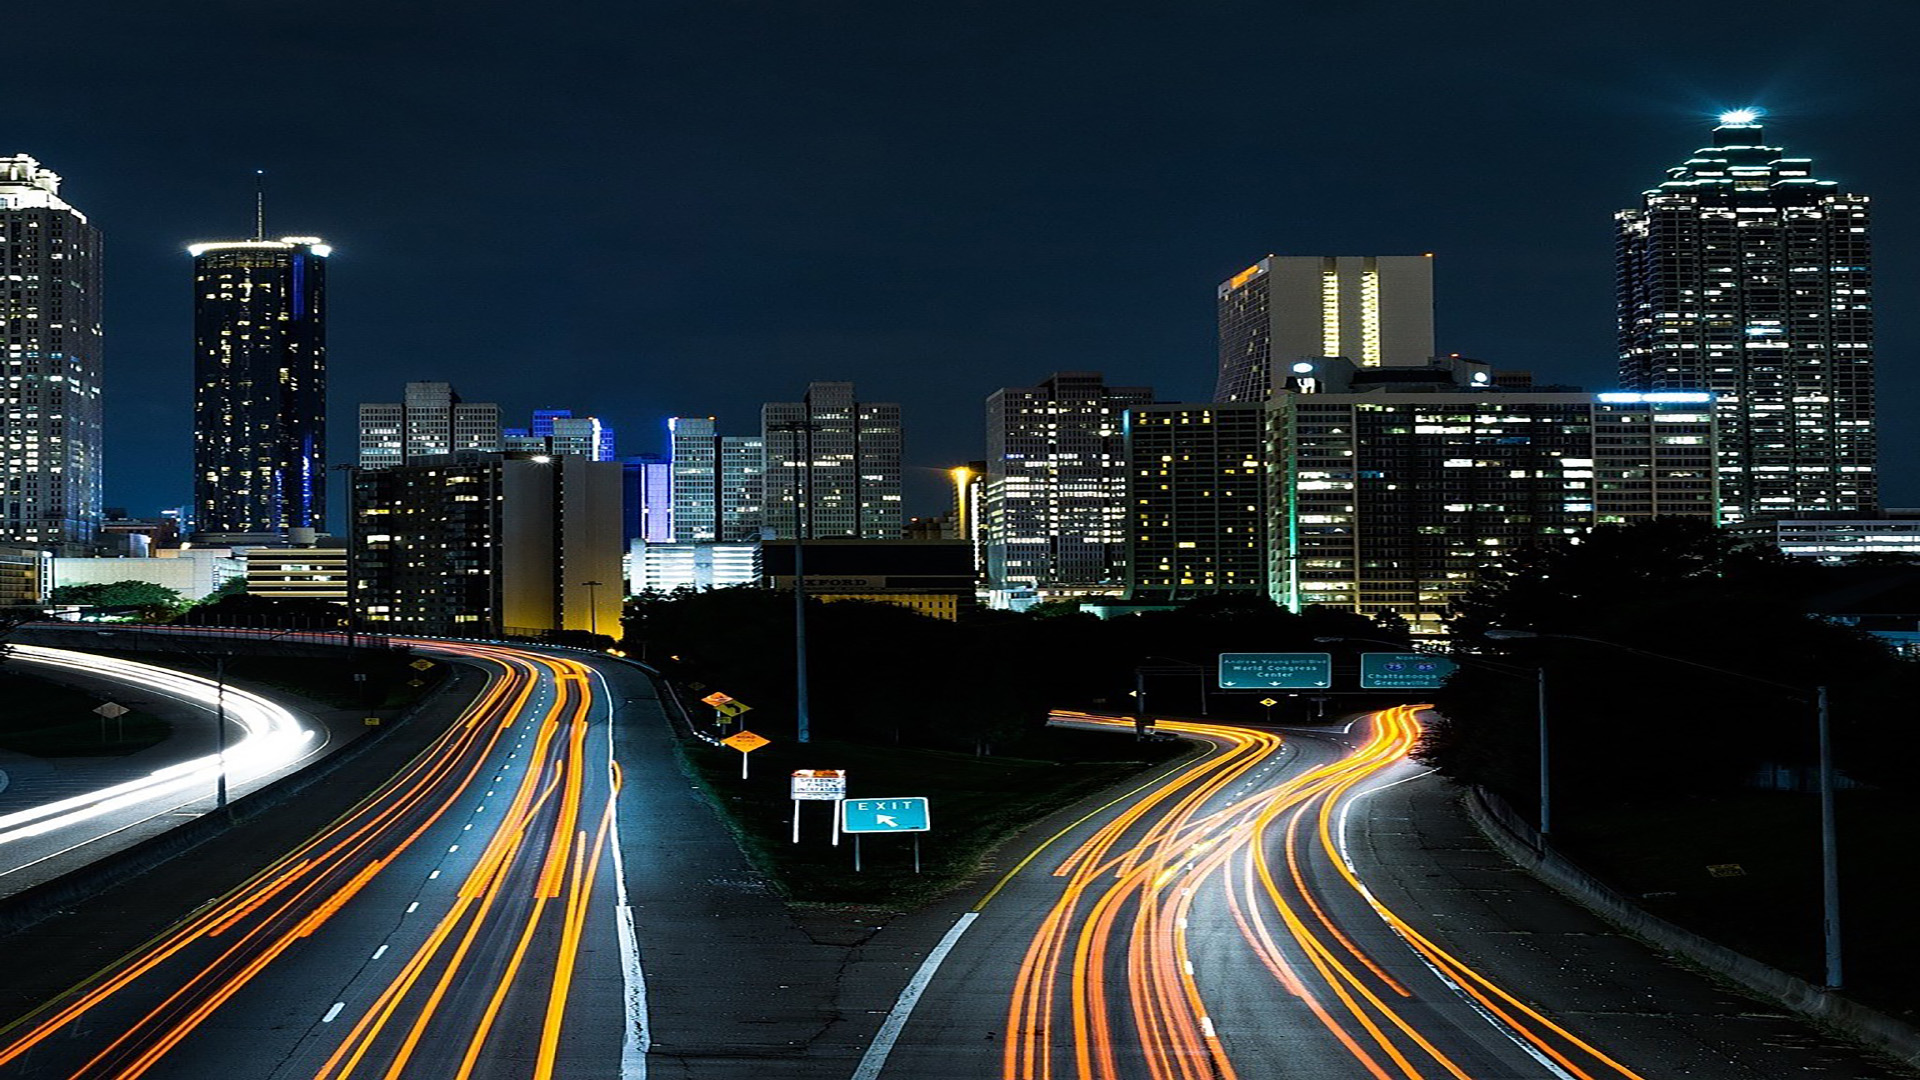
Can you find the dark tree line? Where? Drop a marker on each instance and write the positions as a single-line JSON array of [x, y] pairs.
[[881, 673], [1627, 725]]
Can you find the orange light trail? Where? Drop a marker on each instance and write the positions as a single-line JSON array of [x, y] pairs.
[[536, 852], [1121, 928]]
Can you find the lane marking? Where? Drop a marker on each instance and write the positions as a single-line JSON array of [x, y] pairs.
[[379, 952], [876, 1056], [413, 907], [453, 849], [433, 875], [333, 1012], [1206, 1026]]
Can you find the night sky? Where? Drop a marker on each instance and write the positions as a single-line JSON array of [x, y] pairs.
[[637, 210]]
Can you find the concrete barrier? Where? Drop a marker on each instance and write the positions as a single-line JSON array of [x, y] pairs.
[[1519, 841]]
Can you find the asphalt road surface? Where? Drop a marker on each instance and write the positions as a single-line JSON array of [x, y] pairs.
[[463, 921], [46, 829], [1262, 913]]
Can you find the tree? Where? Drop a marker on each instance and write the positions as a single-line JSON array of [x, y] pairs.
[[148, 599], [1628, 723]]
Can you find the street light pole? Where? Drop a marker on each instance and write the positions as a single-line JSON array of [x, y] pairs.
[[220, 732], [1829, 838], [1546, 775], [1829, 848], [803, 490], [593, 606]]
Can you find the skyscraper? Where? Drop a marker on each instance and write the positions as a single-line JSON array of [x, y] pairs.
[[260, 385], [558, 431], [1055, 515], [1386, 494], [50, 332], [1196, 500], [1745, 275], [430, 421], [851, 487], [1376, 310], [717, 482]]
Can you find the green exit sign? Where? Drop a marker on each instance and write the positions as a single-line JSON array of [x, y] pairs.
[[1404, 671], [1276, 671]]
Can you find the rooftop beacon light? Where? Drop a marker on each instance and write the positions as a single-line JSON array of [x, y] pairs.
[[1741, 116]]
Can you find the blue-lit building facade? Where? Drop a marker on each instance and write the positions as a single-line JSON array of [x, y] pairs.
[[260, 385], [1746, 275]]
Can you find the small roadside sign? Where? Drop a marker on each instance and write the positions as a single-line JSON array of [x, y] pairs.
[[827, 784], [371, 721], [1268, 702], [716, 699], [732, 708], [421, 665], [897, 814], [112, 710], [745, 741]]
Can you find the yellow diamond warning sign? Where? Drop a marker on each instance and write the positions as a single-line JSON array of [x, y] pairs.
[[745, 741]]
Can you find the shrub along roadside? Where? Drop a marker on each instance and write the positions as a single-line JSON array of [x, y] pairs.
[[975, 804]]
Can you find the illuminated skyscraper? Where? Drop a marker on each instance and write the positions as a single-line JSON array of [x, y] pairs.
[[1054, 516], [1745, 275], [431, 421], [260, 385], [717, 482], [851, 487], [50, 343], [1376, 310]]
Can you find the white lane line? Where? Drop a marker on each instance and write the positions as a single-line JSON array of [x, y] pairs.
[[638, 1039], [466, 828], [453, 849], [333, 1012], [413, 907], [876, 1056], [433, 875], [1206, 1026], [379, 952]]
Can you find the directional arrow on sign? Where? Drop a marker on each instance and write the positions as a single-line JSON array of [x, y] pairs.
[[887, 821]]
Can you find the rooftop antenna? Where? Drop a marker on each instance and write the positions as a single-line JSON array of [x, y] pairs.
[[259, 204]]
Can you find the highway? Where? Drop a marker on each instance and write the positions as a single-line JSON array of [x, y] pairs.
[[1211, 925], [465, 920], [266, 740]]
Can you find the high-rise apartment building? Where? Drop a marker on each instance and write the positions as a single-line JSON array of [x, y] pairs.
[[1054, 513], [1387, 495], [558, 431], [485, 544], [431, 421], [1745, 275], [718, 484], [646, 495], [260, 385], [50, 433], [1196, 500], [850, 486], [1376, 310]]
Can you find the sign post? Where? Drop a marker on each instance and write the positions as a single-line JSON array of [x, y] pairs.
[[112, 710], [746, 742], [825, 785], [896, 814]]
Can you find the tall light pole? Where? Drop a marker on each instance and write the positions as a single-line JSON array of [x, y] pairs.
[[593, 606], [1829, 833], [803, 490]]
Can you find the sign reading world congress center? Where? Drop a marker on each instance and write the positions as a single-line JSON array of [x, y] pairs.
[[903, 814], [1403, 671], [1276, 670]]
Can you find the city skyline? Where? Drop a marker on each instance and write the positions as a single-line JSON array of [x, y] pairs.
[[928, 203]]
